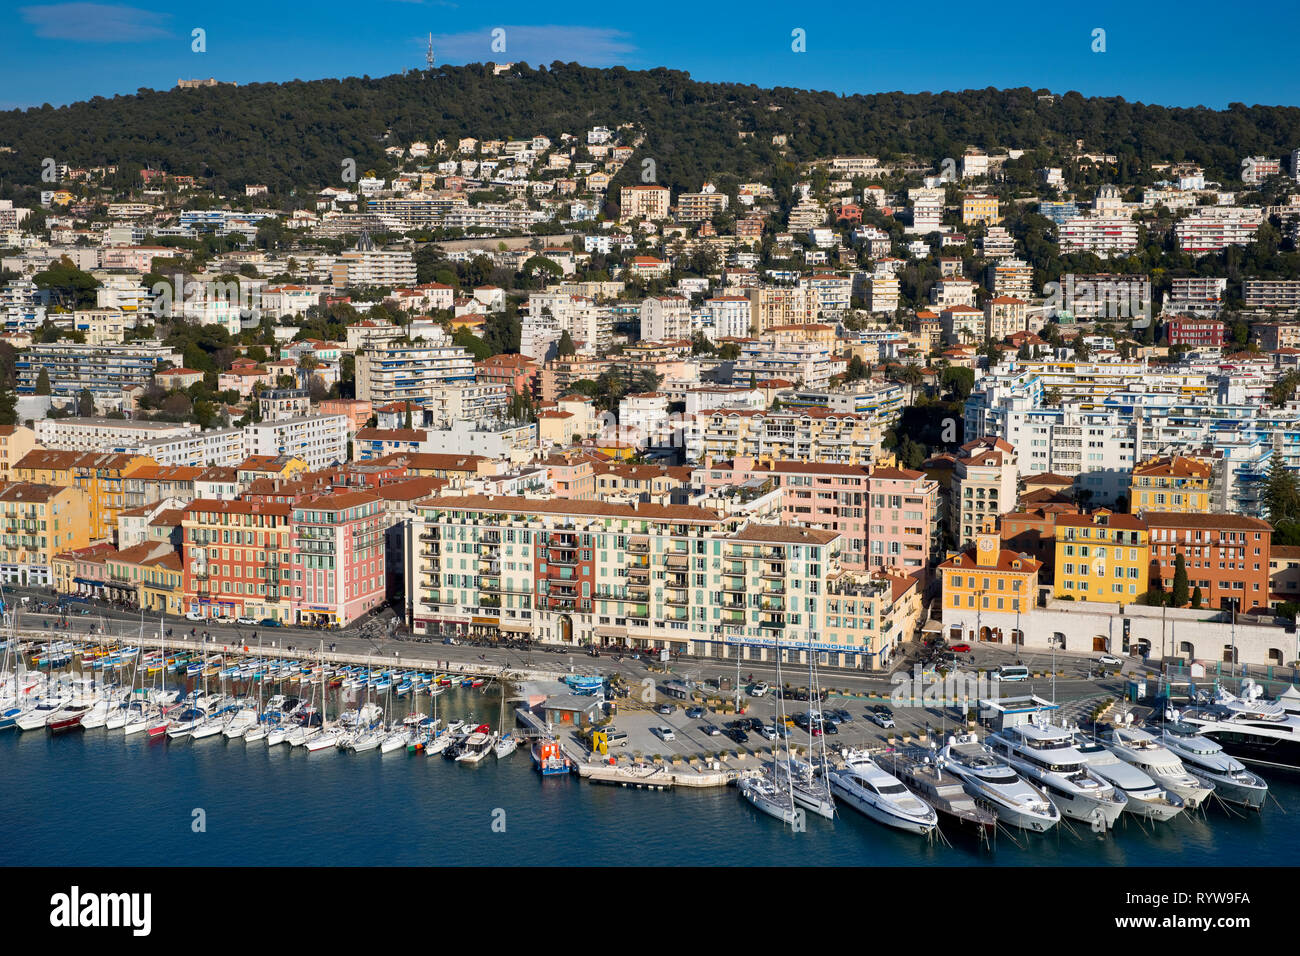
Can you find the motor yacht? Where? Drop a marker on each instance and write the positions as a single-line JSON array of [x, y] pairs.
[[1144, 750], [1145, 797], [1204, 758], [1253, 730], [477, 746], [876, 792], [1046, 755], [987, 777]]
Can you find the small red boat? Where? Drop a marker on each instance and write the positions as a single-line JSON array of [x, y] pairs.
[[69, 718]]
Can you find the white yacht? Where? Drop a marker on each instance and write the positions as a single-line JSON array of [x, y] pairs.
[[239, 723], [398, 739], [863, 785], [1143, 750], [477, 746], [1249, 728], [324, 739], [366, 740], [987, 777], [506, 746], [1045, 754], [767, 797], [1145, 798], [1205, 759], [36, 717]]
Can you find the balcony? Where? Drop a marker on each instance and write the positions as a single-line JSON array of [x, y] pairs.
[[638, 546], [636, 572], [678, 559], [676, 601]]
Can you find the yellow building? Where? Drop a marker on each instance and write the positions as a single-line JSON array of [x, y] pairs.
[[37, 522], [15, 442], [989, 577], [1172, 483], [980, 207], [284, 467], [100, 476], [872, 614], [1101, 557]]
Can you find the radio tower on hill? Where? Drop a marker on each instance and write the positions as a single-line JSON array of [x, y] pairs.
[[428, 57]]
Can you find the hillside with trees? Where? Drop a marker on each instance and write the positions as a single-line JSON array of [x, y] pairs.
[[295, 136]]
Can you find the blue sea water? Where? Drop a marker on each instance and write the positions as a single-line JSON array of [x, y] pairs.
[[93, 798]]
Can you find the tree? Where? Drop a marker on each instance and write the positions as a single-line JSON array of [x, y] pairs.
[[43, 383], [86, 404], [960, 381], [1180, 590], [1196, 597], [565, 347]]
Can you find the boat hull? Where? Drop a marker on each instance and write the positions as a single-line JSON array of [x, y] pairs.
[[880, 814]]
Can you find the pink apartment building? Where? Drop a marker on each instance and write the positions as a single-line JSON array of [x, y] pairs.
[[338, 556], [885, 515]]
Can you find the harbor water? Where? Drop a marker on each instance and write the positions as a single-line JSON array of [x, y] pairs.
[[95, 798]]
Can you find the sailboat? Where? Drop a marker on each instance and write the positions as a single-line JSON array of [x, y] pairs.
[[506, 743], [765, 790], [330, 737], [810, 791]]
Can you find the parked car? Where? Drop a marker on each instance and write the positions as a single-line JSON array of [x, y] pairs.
[[694, 713], [766, 732], [709, 730], [738, 735], [664, 708], [268, 622], [1109, 661], [755, 723], [842, 715], [881, 716], [759, 689], [829, 727], [189, 615], [665, 733], [245, 620], [960, 648]]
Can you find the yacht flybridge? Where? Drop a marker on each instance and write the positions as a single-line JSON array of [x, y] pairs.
[[1046, 755], [987, 777], [1249, 728]]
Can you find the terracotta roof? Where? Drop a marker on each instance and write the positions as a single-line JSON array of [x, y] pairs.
[[1176, 466], [784, 534], [391, 434], [1225, 522], [967, 560], [595, 509]]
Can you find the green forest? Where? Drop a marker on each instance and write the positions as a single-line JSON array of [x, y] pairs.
[[296, 135]]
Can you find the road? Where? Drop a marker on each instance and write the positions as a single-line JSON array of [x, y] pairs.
[[371, 637]]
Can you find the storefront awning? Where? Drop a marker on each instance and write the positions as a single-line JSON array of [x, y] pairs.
[[519, 627]]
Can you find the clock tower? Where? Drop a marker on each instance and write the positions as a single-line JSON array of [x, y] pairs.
[[988, 545]]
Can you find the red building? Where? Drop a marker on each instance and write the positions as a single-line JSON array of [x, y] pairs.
[[1193, 332], [1226, 556]]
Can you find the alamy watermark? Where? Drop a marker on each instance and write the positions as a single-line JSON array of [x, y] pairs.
[[957, 688]]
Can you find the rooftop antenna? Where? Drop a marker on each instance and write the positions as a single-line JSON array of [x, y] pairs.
[[428, 56]]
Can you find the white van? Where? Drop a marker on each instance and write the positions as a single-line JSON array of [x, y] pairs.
[[1013, 672]]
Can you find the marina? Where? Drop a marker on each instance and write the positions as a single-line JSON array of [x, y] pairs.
[[271, 716]]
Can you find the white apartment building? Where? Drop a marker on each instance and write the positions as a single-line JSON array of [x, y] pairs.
[[803, 363], [665, 319], [1011, 277], [952, 291], [728, 315], [387, 269], [1106, 236], [1199, 294], [400, 372], [644, 414], [215, 447], [319, 440], [883, 292], [1215, 228], [104, 434], [1256, 169]]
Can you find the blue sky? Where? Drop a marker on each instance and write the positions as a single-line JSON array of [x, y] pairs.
[[1188, 54]]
